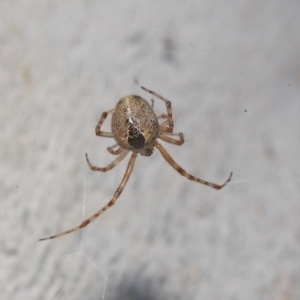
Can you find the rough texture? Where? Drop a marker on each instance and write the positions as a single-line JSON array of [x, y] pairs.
[[231, 70], [134, 123]]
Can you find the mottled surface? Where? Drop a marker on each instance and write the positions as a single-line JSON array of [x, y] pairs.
[[134, 124], [231, 70]]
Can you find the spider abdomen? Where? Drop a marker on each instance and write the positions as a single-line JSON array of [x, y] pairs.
[[134, 124]]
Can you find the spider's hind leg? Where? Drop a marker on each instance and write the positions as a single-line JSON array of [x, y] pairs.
[[182, 172], [109, 204]]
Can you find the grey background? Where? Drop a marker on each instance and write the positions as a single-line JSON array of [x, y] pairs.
[[232, 71]]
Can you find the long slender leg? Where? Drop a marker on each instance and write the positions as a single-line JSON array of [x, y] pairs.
[[111, 165], [182, 172], [168, 106], [172, 140], [115, 152], [98, 127], [109, 204]]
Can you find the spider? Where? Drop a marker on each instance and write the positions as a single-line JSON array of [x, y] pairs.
[[135, 128]]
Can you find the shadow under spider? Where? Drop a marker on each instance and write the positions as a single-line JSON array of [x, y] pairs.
[[138, 287]]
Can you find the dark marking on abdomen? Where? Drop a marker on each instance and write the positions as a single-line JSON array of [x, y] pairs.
[[135, 138]]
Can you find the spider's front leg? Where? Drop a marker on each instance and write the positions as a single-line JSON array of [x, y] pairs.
[[168, 103]]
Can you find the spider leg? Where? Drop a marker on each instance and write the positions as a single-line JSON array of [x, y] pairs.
[[182, 172], [98, 127], [115, 152], [163, 125], [111, 165], [172, 140], [163, 116], [168, 106], [109, 204]]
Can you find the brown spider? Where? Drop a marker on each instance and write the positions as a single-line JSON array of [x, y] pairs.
[[135, 128]]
